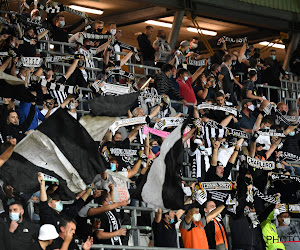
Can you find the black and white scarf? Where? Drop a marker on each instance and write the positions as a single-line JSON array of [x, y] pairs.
[[127, 122], [226, 109], [168, 122], [288, 156], [232, 40], [271, 132], [114, 225], [117, 71], [196, 63], [268, 198], [282, 177], [260, 164], [216, 185]]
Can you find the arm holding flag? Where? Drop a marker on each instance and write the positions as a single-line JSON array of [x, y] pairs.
[[105, 208], [8, 152], [132, 172], [198, 72]]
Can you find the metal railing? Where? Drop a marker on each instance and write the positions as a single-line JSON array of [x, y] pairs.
[[63, 47]]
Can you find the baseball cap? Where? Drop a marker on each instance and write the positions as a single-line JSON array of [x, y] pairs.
[[220, 164], [48, 232], [259, 144], [245, 101], [184, 43]]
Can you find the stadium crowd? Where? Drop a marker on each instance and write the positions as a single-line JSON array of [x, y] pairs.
[[242, 150]]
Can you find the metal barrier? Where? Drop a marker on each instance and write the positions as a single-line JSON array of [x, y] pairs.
[[108, 247], [63, 47]]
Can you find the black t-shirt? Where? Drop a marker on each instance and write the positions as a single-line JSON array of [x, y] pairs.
[[109, 223], [36, 246], [124, 145], [227, 81], [58, 243], [196, 89], [165, 234]]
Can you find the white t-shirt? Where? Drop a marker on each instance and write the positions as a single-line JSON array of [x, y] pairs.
[[73, 114], [45, 111], [120, 186]]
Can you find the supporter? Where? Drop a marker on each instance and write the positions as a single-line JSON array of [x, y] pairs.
[[11, 126], [23, 233], [164, 85], [51, 207], [163, 49], [192, 227], [249, 90], [28, 48], [146, 48], [47, 234], [24, 110], [215, 229], [48, 106], [120, 184], [295, 61], [215, 69], [272, 74], [41, 32], [227, 78], [203, 88], [264, 123], [247, 121], [288, 231], [269, 231], [59, 31], [163, 226], [185, 84], [181, 54], [282, 107], [66, 237], [217, 172], [80, 75], [110, 231]]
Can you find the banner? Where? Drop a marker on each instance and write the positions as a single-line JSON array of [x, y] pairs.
[[256, 163], [232, 40], [127, 122], [52, 59], [227, 109], [109, 88], [216, 185], [34, 62], [168, 122], [197, 63], [271, 132]]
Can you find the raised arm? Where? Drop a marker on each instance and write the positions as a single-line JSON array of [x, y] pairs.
[[198, 72], [71, 69], [214, 159], [132, 172], [8, 152], [43, 194], [104, 46], [105, 208], [242, 52], [126, 58], [213, 214], [272, 148], [158, 216]]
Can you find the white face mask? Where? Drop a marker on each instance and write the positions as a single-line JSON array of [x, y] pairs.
[[113, 32], [186, 78], [287, 221], [72, 105], [37, 18], [23, 77], [194, 45], [196, 217], [251, 107]]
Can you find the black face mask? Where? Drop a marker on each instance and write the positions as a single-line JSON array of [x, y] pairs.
[[260, 153], [283, 112], [87, 46], [81, 63], [163, 37], [99, 30], [248, 180]]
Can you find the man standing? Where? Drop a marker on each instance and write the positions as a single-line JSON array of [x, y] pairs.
[[163, 49], [165, 234], [227, 79], [146, 48], [23, 233], [288, 232]]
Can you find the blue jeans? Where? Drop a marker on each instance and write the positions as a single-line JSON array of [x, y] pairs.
[[292, 169]]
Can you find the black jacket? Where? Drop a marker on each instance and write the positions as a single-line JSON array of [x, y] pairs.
[[146, 47], [77, 79], [17, 131], [25, 234]]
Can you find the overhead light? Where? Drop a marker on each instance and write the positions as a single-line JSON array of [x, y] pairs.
[[163, 24], [88, 10], [204, 32], [274, 45]]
